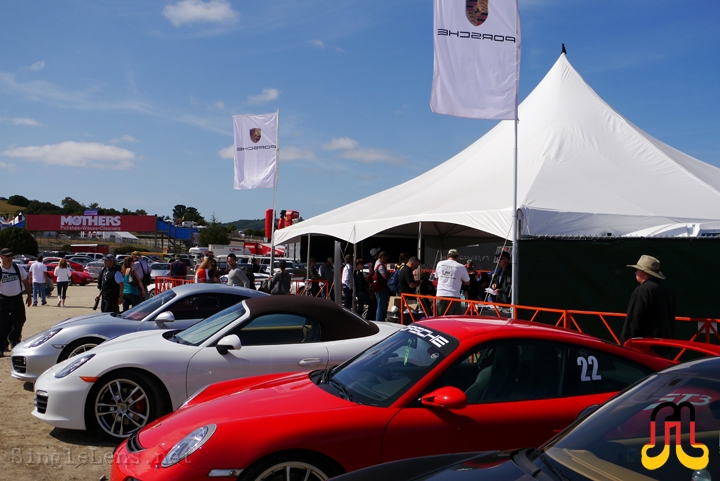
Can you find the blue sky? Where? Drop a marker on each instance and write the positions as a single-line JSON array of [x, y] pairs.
[[129, 103]]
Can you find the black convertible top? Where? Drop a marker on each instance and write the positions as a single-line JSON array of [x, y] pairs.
[[336, 323]]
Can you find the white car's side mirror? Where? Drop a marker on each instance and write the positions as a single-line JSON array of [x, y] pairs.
[[164, 317], [228, 343]]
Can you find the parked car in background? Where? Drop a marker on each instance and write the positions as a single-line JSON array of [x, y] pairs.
[[81, 278], [445, 385], [261, 335], [159, 269], [619, 440], [76, 266], [177, 308], [93, 268], [84, 260], [25, 258]]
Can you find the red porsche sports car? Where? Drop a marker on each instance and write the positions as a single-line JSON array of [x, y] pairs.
[[437, 386], [76, 277]]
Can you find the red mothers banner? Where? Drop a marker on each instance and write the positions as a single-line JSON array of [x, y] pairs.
[[125, 223]]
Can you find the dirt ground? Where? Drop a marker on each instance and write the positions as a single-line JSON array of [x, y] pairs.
[[31, 450]]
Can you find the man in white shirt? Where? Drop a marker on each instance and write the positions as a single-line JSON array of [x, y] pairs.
[[38, 276], [13, 280], [347, 282], [451, 276]]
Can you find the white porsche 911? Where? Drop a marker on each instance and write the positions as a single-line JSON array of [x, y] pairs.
[[121, 385]]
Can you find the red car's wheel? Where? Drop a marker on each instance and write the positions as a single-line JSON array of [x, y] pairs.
[[290, 467]]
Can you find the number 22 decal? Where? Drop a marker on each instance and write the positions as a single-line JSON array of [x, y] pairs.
[[592, 360]]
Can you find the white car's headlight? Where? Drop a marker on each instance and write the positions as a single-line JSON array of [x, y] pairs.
[[74, 365], [188, 445], [42, 338]]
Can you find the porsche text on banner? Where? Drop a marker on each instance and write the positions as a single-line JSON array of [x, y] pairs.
[[477, 58], [255, 151]]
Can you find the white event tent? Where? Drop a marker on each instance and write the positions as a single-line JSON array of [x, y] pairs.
[[583, 169]]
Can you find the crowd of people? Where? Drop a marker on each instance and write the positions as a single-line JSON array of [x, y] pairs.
[[651, 310]]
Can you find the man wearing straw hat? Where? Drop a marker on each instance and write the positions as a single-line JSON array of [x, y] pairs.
[[651, 311]]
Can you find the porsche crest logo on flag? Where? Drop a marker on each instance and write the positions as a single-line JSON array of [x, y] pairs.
[[476, 11], [255, 135]]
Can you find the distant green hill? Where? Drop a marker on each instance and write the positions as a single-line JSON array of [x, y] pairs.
[[243, 224]]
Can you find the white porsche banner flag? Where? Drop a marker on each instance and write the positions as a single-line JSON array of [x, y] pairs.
[[256, 151], [477, 58]]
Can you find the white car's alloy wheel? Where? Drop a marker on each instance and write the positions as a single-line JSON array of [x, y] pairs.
[[123, 403]]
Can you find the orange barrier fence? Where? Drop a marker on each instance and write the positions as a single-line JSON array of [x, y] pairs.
[[420, 307], [427, 306], [163, 283]]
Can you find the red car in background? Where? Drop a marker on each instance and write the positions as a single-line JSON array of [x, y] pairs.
[[444, 385], [77, 277], [76, 266]]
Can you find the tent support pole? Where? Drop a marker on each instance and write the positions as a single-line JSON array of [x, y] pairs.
[[352, 271], [419, 249], [308, 285], [513, 239]]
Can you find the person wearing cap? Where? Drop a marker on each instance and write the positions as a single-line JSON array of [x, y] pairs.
[[142, 269], [12, 309], [501, 280], [451, 276], [110, 284], [651, 310]]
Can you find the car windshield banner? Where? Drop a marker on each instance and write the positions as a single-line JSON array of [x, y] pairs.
[[73, 222]]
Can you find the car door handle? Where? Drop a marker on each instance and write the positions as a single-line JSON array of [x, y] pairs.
[[310, 361]]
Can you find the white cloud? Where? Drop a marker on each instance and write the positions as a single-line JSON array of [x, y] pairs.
[[37, 65], [295, 153], [24, 121], [227, 152], [266, 96], [219, 105], [191, 11], [8, 167], [322, 45], [370, 156], [342, 143], [75, 154], [125, 138]]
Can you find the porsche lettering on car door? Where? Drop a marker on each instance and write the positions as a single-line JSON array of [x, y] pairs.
[[270, 343]]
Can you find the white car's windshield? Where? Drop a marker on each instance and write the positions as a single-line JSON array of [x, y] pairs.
[[384, 372], [206, 328], [145, 308], [634, 436]]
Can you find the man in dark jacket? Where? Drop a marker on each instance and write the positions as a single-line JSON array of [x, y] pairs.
[[651, 311], [110, 283]]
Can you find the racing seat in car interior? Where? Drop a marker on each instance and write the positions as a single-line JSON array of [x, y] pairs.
[[496, 382]]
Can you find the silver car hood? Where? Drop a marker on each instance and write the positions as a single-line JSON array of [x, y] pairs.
[[92, 318]]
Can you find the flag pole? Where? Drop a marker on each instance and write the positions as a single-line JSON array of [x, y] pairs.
[[271, 269], [513, 236]]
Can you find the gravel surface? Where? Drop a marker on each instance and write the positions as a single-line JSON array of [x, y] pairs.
[[31, 450]]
